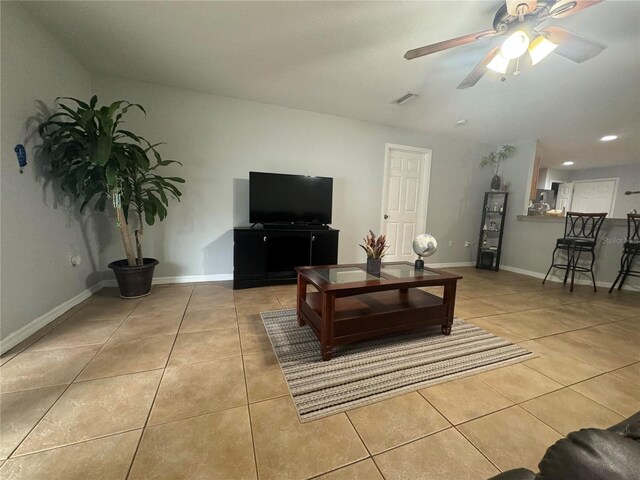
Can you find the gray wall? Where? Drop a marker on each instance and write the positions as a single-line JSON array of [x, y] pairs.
[[220, 139], [40, 228]]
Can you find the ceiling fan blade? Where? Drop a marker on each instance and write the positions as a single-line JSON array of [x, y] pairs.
[[479, 70], [454, 42], [572, 46], [512, 6], [563, 7]]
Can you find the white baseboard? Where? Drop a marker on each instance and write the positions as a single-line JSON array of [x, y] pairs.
[[558, 279], [33, 326], [450, 264], [23, 333], [180, 279]]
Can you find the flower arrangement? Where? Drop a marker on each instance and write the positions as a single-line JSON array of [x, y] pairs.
[[376, 247]]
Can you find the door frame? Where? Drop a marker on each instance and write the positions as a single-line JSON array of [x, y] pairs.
[[615, 189], [423, 200]]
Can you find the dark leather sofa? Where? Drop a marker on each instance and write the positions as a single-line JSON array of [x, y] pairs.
[[589, 454]]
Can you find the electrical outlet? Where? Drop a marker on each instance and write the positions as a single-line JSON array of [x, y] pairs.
[[467, 244], [450, 243]]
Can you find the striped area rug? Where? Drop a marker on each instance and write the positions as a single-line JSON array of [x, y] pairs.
[[366, 372]]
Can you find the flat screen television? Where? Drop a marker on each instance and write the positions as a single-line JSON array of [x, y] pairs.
[[279, 198]]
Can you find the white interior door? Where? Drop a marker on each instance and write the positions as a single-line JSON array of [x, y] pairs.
[[404, 199], [594, 196], [565, 194]]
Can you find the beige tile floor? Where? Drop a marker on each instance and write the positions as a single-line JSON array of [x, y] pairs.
[[184, 384]]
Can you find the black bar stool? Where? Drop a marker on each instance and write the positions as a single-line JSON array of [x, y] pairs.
[[580, 236], [630, 250]]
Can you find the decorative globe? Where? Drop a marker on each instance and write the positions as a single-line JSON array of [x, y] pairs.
[[425, 245]]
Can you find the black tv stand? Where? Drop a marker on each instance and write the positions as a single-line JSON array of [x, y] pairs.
[[295, 226], [268, 254]]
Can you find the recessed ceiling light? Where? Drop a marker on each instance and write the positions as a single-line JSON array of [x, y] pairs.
[[608, 138], [568, 164], [461, 122]]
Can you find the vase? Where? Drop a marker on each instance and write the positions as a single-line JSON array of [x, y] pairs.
[[495, 182], [134, 281], [373, 266]]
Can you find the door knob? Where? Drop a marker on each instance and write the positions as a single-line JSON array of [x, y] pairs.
[[386, 216]]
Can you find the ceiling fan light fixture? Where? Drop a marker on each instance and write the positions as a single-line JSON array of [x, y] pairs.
[[515, 45], [540, 48], [499, 64]]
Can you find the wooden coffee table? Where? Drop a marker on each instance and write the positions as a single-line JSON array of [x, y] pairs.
[[351, 305]]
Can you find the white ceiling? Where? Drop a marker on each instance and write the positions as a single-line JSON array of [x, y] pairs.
[[346, 58]]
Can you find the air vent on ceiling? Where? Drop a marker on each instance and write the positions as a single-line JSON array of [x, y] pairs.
[[405, 98]]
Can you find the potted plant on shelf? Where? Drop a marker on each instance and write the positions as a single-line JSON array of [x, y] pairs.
[[376, 248], [493, 161], [95, 159]]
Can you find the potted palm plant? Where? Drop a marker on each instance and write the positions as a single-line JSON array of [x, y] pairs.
[[96, 160], [493, 161]]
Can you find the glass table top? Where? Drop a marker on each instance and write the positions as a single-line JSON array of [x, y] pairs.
[[406, 271], [345, 274], [339, 275]]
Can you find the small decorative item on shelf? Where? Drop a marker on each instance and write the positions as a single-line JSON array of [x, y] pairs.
[[424, 245], [493, 161], [376, 248]]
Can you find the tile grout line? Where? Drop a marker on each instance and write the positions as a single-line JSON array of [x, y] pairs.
[[70, 444], [594, 400], [597, 402], [246, 385], [190, 417], [564, 387], [352, 426], [456, 429], [68, 385], [552, 391], [246, 391], [53, 324], [550, 335], [164, 369], [478, 448], [421, 437], [547, 424]]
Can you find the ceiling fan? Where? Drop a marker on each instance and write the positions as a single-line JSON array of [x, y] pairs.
[[517, 20]]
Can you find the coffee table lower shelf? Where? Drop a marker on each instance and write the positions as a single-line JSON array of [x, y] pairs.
[[360, 317]]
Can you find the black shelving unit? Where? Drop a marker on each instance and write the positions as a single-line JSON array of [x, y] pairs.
[[494, 211]]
